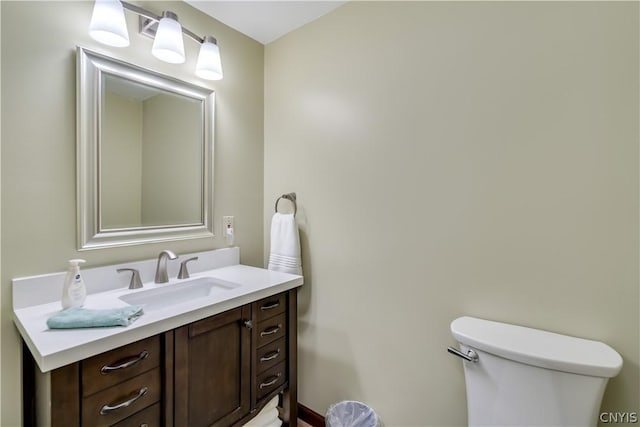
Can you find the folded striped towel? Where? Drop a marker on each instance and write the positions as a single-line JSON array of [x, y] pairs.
[[264, 419], [285, 244], [273, 403], [276, 423], [78, 317], [267, 417]]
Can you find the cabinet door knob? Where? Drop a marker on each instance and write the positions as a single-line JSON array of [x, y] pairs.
[[248, 324]]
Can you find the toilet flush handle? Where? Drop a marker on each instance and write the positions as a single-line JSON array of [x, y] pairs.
[[471, 355]]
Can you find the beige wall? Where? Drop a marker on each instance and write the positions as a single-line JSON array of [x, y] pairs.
[[449, 159], [455, 159], [121, 159], [172, 161], [1, 218], [38, 147]]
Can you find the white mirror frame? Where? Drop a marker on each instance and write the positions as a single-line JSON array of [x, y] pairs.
[[90, 66]]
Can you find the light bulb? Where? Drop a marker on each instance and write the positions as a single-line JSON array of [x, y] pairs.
[[108, 25], [209, 66], [168, 45]]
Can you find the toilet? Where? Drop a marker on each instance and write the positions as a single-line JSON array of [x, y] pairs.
[[517, 376]]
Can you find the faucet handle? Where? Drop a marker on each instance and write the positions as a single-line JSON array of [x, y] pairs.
[[184, 273], [135, 282]]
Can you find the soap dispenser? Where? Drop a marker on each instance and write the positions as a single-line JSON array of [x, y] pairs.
[[74, 291]]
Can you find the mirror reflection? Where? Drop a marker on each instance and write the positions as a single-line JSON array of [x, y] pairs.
[[145, 155], [150, 156]]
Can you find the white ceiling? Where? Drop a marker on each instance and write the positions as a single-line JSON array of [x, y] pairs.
[[265, 21]]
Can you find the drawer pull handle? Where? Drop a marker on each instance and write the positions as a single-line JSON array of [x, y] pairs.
[[107, 368], [270, 356], [270, 331], [107, 409], [272, 381], [270, 306]]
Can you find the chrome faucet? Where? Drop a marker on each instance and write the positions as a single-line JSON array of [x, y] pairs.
[[161, 269], [135, 282]]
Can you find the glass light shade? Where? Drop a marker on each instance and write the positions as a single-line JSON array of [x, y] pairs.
[[108, 25], [168, 45], [209, 66]]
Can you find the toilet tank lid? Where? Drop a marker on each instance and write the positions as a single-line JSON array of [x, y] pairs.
[[538, 348]]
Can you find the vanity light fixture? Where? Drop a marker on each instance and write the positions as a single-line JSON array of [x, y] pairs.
[[208, 66], [168, 45], [108, 26]]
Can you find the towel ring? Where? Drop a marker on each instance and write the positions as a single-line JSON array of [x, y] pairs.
[[292, 198]]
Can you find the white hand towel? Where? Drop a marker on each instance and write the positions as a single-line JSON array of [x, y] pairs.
[[273, 403], [264, 419], [266, 416], [276, 423], [285, 244]]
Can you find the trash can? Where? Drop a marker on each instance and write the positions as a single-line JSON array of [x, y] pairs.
[[350, 413]]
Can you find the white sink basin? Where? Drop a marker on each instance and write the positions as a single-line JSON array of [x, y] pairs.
[[162, 297]]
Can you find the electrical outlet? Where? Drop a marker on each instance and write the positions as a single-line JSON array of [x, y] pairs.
[[227, 222], [227, 230]]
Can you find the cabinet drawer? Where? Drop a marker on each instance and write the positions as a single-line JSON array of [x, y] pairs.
[[271, 354], [115, 366], [149, 417], [116, 403], [270, 380], [269, 307], [271, 329]]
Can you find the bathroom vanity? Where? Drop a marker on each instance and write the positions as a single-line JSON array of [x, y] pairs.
[[213, 360]]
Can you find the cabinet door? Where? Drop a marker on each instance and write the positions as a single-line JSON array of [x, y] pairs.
[[212, 364]]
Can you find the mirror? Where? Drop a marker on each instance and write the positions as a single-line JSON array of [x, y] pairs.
[[145, 148]]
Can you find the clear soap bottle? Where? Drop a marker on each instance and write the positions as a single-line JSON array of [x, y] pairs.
[[74, 291]]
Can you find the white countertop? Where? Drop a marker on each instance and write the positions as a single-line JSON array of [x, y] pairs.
[[52, 349]]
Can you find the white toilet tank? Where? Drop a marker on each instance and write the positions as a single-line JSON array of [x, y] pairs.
[[529, 377]]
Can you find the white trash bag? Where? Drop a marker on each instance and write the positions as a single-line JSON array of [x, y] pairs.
[[350, 413]]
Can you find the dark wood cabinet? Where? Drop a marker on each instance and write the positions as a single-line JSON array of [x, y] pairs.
[[217, 372], [270, 355], [212, 370], [121, 387]]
